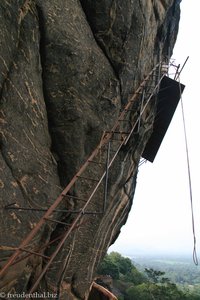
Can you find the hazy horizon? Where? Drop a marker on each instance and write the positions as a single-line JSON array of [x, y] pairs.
[[136, 252]]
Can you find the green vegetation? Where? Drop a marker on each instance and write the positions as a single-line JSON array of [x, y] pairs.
[[133, 284], [180, 270]]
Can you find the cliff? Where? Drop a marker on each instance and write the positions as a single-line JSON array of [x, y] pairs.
[[67, 70]]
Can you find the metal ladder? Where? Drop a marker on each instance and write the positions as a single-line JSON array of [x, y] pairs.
[[111, 143]]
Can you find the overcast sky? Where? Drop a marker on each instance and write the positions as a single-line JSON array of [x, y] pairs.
[[160, 220]]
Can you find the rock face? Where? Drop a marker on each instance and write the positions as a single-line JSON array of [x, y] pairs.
[[67, 68]]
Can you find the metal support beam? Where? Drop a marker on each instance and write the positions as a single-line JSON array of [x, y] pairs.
[[106, 178]]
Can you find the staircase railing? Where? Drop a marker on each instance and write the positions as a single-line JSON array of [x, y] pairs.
[[111, 143]]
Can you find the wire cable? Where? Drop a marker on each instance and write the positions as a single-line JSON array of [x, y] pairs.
[[195, 257]]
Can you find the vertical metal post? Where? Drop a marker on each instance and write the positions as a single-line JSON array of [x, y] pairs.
[[106, 178], [141, 108], [159, 75]]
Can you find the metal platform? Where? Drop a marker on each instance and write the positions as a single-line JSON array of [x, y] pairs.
[[168, 98]]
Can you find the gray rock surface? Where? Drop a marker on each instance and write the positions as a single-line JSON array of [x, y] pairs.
[[66, 70]]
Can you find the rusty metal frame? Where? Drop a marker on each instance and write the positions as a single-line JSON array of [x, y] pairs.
[[108, 136]]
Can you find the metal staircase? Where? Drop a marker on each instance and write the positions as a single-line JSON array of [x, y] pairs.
[[102, 157]]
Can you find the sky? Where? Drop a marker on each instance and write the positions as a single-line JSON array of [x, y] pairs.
[[160, 221]]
